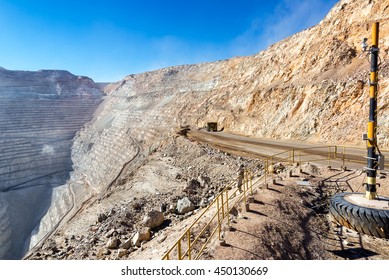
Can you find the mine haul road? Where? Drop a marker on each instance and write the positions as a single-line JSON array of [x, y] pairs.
[[284, 150]]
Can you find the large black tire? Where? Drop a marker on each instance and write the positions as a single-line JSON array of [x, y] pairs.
[[365, 220]]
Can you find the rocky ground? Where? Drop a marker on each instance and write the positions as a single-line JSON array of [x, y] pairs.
[[144, 216], [177, 180]]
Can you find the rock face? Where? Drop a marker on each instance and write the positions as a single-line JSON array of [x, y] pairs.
[[39, 116], [310, 87]]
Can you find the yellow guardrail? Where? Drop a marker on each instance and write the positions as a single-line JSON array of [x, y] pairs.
[[191, 244], [193, 241]]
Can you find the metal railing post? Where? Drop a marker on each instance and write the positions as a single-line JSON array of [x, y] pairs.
[[179, 249], [245, 186], [218, 216], [251, 183], [222, 200], [228, 210], [189, 246]]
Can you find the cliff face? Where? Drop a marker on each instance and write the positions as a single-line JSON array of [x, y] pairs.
[[40, 114], [312, 86]]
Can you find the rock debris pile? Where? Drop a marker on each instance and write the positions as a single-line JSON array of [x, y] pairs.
[[199, 173]]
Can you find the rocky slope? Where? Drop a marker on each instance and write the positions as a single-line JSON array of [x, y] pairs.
[[312, 86], [40, 112]]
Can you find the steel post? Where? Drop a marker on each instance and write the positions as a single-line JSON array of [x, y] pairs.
[[372, 157], [218, 217], [189, 246], [179, 249]]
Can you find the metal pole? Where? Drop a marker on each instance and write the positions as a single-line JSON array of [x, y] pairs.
[[222, 201], [218, 217], [179, 249], [245, 187], [251, 183], [372, 157], [228, 210], [189, 247]]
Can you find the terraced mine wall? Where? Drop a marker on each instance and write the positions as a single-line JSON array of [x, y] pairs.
[[312, 86], [40, 113]]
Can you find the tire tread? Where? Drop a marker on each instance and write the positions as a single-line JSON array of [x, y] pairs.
[[364, 220]]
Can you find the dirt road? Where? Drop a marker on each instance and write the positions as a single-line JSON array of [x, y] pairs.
[[286, 150]]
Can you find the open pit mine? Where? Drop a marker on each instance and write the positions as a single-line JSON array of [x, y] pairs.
[[64, 142], [40, 114]]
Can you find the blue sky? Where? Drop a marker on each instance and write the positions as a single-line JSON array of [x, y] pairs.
[[107, 40]]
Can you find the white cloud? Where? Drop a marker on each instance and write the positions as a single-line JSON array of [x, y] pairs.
[[293, 16], [289, 17]]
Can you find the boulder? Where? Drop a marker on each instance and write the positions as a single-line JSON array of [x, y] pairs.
[[122, 253], [194, 184], [142, 235], [103, 252], [127, 244], [113, 243], [110, 233], [162, 238], [153, 219], [203, 202], [184, 205], [192, 187], [101, 217], [204, 181], [163, 207]]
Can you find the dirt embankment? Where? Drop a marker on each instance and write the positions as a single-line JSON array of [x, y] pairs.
[[288, 220], [178, 169]]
